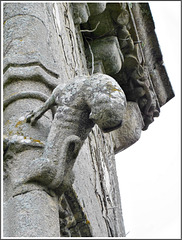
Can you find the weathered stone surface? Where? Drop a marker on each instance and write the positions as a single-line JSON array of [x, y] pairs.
[[23, 45], [32, 214], [96, 8], [39, 60], [81, 12], [98, 67], [98, 191], [138, 75], [44, 47], [108, 51], [53, 57], [104, 23], [87, 101], [131, 129]]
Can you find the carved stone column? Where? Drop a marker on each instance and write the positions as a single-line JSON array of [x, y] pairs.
[[36, 59]]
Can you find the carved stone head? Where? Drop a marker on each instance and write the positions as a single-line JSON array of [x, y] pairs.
[[107, 102]]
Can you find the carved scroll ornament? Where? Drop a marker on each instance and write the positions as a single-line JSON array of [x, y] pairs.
[[87, 101]]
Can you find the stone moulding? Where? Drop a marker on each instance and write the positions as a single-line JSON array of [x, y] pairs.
[[152, 53], [35, 63], [30, 71], [22, 95]]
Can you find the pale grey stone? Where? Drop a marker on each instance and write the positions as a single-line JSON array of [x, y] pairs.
[[43, 48], [81, 12], [30, 215], [97, 99], [131, 129], [98, 191]]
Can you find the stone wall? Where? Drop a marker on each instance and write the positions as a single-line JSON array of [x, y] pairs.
[[46, 44], [43, 48]]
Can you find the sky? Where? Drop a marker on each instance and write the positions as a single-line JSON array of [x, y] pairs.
[[149, 171]]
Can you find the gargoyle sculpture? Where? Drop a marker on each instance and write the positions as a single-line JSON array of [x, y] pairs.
[[87, 101]]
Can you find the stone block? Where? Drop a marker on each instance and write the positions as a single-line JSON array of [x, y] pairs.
[[96, 8], [81, 12], [104, 23], [108, 51], [131, 129], [98, 67]]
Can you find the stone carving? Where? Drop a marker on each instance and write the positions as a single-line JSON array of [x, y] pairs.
[[108, 51], [87, 101], [114, 42], [139, 89], [82, 11]]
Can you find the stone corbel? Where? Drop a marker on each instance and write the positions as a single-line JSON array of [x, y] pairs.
[[112, 44], [107, 51], [96, 8], [82, 11]]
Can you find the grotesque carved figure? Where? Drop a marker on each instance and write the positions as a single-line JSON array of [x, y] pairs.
[[87, 101]]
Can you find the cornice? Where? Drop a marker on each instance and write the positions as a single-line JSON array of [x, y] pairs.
[[120, 40]]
